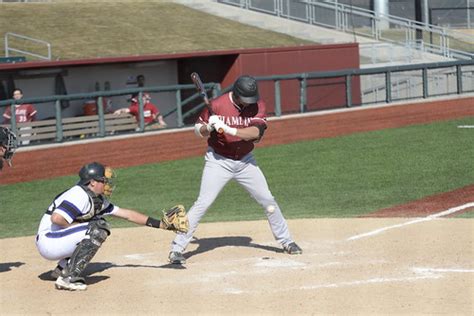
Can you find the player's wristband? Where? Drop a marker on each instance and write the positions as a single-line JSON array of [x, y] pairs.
[[231, 131], [197, 129], [153, 222]]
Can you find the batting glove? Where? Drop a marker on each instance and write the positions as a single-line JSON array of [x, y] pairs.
[[227, 129], [213, 119]]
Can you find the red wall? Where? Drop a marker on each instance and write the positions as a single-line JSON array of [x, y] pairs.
[[321, 93]]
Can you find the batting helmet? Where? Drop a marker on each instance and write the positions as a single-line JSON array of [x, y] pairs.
[[246, 89], [98, 172]]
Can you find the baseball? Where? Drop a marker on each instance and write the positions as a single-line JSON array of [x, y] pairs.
[[271, 208]]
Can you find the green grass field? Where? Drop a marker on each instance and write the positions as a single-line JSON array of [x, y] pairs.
[[469, 214], [106, 28], [88, 29], [334, 177]]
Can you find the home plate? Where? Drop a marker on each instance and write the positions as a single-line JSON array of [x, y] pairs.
[[278, 263]]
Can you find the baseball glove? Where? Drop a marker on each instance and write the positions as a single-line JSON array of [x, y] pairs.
[[175, 219]]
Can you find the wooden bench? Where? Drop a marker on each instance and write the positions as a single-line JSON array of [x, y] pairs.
[[75, 127]]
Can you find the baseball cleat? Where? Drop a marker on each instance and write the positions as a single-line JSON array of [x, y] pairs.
[[176, 257], [292, 249], [70, 284]]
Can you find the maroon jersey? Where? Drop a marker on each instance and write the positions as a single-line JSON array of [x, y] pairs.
[[23, 113], [234, 116], [149, 111]]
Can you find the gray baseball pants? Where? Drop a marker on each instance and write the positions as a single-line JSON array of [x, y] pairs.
[[219, 170]]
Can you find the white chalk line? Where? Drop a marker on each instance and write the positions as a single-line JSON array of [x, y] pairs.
[[140, 256], [415, 221], [420, 274], [231, 288], [369, 281], [465, 126], [423, 274], [440, 270]]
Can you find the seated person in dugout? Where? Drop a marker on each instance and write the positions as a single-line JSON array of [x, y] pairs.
[[24, 112], [73, 227], [151, 114]]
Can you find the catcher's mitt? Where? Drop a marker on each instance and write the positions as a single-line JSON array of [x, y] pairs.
[[175, 219]]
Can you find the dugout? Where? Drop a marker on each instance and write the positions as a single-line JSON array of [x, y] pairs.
[[40, 78]]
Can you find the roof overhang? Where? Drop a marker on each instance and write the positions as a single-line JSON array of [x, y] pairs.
[[151, 58]]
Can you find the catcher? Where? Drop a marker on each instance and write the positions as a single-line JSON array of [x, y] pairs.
[[7, 146], [73, 228]]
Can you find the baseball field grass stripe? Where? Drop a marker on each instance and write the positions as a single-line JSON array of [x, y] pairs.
[[334, 177], [415, 221]]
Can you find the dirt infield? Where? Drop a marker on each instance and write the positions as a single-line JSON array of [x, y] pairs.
[[234, 269], [398, 265], [430, 204]]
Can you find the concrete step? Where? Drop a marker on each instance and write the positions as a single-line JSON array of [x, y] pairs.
[[384, 53]]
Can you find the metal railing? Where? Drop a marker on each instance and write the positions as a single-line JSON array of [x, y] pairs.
[[464, 81], [57, 99], [461, 73], [9, 48], [355, 20]]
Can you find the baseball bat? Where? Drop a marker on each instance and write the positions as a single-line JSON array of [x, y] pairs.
[[202, 91]]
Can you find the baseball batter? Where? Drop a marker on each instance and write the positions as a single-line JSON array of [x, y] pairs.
[[73, 228], [241, 116]]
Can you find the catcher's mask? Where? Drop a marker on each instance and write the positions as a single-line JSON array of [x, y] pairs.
[[98, 172], [246, 89], [7, 141]]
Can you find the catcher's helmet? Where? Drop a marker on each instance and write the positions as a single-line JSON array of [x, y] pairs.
[[246, 89], [92, 171], [98, 172], [7, 140]]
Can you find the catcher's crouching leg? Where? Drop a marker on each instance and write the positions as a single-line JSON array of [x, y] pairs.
[[70, 278]]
